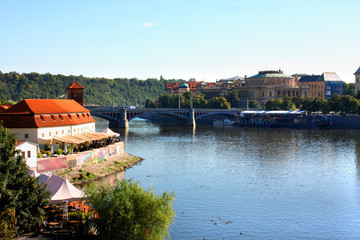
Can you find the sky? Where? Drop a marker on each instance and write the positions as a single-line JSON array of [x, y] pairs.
[[182, 39]]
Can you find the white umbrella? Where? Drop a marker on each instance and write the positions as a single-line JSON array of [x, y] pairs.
[[62, 190], [43, 177], [111, 132], [33, 173]]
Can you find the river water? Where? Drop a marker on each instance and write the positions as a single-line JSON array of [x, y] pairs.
[[251, 183]]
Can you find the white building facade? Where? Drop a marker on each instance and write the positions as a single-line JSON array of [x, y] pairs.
[[29, 152]]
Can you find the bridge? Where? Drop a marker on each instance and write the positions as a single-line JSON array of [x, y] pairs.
[[120, 117]]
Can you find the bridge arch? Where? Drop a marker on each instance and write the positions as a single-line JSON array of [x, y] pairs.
[[145, 115], [230, 114]]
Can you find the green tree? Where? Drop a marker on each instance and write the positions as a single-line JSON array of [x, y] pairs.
[[349, 104], [307, 104], [18, 190], [319, 105], [287, 104], [199, 101], [335, 103], [349, 89], [126, 211], [150, 104], [274, 104], [298, 101], [218, 103], [233, 98], [254, 104]]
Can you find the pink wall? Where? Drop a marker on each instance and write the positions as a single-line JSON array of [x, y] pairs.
[[80, 159]]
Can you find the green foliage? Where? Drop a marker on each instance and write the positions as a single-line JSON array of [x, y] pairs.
[[219, 103], [8, 224], [254, 104], [349, 104], [349, 89], [39, 155], [18, 190], [233, 98], [126, 211], [79, 215], [59, 151], [99, 91], [48, 153]]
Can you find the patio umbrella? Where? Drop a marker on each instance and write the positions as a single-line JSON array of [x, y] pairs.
[[62, 190], [43, 177], [33, 173], [111, 132]]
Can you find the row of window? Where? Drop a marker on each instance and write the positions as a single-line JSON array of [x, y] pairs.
[[28, 154], [53, 116]]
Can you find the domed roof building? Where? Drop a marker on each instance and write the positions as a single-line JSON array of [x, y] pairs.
[[184, 85]]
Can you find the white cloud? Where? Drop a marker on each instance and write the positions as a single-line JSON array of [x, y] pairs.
[[149, 24]]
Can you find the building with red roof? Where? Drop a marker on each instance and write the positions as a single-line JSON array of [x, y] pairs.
[[47, 121]]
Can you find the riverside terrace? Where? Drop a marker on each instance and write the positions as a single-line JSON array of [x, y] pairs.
[[119, 117]]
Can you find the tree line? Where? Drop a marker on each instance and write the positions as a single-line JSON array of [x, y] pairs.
[[100, 91], [342, 104]]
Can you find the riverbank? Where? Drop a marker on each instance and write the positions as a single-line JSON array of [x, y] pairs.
[[90, 173]]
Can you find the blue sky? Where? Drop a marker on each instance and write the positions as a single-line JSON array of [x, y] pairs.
[[202, 39]]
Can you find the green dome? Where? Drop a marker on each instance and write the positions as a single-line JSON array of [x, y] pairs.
[[184, 85]]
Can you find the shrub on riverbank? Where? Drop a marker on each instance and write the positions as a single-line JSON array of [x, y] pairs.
[[126, 211]]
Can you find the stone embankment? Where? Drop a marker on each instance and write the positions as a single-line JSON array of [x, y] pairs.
[[89, 173]]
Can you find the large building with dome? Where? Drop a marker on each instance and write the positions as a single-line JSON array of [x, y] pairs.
[[261, 87]]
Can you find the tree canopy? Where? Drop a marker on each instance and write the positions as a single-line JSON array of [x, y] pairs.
[[20, 194], [101, 91], [126, 211]]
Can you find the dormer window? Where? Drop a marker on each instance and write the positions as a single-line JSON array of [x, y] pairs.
[[61, 117], [53, 117], [78, 115], [70, 116], [42, 117]]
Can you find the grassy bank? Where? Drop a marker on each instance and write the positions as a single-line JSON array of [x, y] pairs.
[[90, 173]]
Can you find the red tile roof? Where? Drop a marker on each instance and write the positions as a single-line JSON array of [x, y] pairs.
[[19, 142], [75, 85], [4, 107], [42, 106], [36, 113]]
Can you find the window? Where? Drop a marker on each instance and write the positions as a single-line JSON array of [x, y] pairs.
[[29, 154], [43, 134], [23, 154], [62, 131], [49, 133], [26, 135], [56, 132]]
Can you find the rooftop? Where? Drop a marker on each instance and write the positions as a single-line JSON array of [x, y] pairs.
[[75, 85], [270, 74]]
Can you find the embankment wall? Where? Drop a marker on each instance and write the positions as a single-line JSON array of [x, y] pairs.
[[90, 157]]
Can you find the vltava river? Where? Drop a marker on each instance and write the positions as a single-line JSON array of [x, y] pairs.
[[251, 183]]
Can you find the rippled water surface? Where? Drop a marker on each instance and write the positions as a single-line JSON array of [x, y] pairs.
[[251, 183]]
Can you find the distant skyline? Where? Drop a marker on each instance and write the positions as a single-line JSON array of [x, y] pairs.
[[202, 39]]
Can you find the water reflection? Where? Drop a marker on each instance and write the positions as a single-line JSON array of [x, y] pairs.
[[273, 183]]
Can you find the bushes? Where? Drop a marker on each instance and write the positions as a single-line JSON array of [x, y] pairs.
[[126, 211], [59, 151]]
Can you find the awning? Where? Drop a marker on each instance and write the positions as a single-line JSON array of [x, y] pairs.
[[67, 139], [80, 138], [45, 140], [97, 135]]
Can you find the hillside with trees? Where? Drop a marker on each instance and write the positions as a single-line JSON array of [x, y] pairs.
[[99, 91]]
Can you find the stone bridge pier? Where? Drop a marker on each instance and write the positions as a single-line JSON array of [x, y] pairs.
[[121, 122]]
